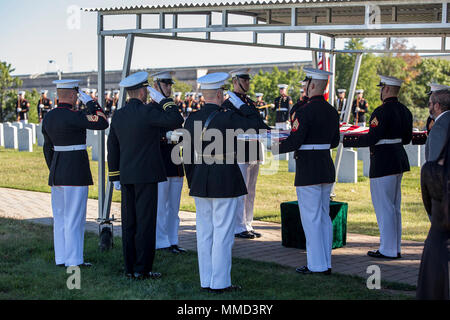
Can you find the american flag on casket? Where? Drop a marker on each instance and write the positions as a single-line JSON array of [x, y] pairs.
[[419, 137]]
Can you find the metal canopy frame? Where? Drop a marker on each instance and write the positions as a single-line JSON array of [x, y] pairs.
[[329, 18]]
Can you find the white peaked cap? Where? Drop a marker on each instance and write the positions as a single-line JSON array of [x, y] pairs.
[[436, 87], [213, 80], [21, 93], [359, 91], [390, 81], [259, 94], [166, 74], [66, 84], [44, 91], [116, 91], [282, 86], [135, 80], [317, 74], [107, 91], [177, 93], [342, 90], [240, 72]]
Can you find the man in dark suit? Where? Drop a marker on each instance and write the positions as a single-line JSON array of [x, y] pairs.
[[136, 166], [315, 130], [439, 106], [64, 131], [390, 129], [214, 178]]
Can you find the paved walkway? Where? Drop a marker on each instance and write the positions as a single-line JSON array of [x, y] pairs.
[[352, 259]]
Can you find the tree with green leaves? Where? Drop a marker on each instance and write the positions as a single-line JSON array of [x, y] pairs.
[[8, 84]]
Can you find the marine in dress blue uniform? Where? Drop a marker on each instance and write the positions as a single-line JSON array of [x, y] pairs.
[[169, 191], [64, 131], [22, 108], [44, 105], [249, 163], [315, 130], [215, 180], [282, 106], [360, 108], [390, 129], [136, 167]]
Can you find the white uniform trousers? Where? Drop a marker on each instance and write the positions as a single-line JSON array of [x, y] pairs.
[[314, 205], [167, 220], [386, 198], [244, 208], [69, 219], [23, 121], [215, 238]]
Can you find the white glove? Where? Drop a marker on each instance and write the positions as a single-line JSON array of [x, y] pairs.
[[84, 97], [234, 99], [155, 94], [116, 185], [19, 109], [173, 136], [189, 109], [41, 106]]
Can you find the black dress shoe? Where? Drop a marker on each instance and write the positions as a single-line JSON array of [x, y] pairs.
[[378, 254], [305, 270], [164, 249], [149, 275], [256, 234], [176, 249], [244, 235], [399, 255], [227, 289], [61, 265], [85, 265]]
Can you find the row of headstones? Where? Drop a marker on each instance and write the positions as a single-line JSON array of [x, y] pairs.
[[20, 136], [17, 135], [348, 172]]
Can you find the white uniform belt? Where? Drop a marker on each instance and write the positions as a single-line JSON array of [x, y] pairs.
[[389, 141], [70, 148], [315, 147], [282, 109]]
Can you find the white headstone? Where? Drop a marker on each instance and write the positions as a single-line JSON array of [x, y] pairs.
[[422, 154], [18, 125], [2, 135], [91, 137], [25, 137], [348, 172], [95, 149], [291, 162], [364, 156], [39, 135], [32, 126], [413, 153], [11, 141]]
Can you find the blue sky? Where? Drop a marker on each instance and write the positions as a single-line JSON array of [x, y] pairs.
[[33, 32]]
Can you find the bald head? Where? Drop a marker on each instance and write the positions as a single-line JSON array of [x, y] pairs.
[[317, 87], [214, 96]]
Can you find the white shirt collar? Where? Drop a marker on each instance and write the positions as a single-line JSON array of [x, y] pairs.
[[440, 115]]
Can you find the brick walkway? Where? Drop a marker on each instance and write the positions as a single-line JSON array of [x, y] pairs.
[[352, 259]]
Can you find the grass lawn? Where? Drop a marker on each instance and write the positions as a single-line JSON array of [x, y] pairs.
[[28, 171], [27, 271]]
